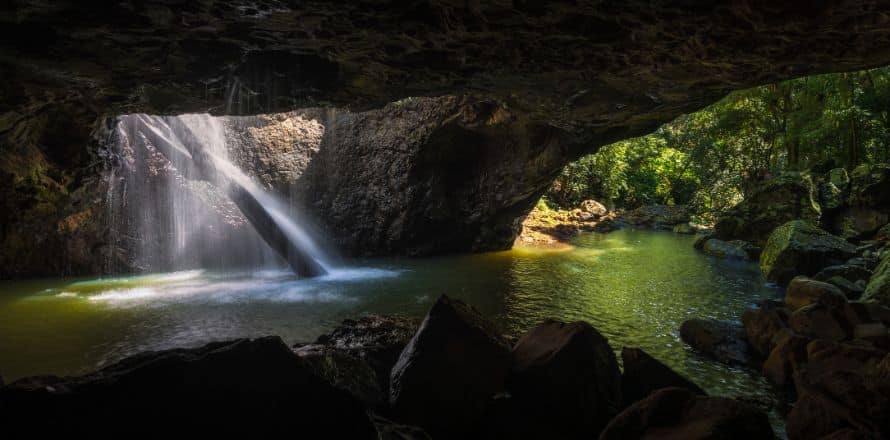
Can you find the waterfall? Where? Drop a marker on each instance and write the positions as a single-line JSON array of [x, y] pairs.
[[190, 206]]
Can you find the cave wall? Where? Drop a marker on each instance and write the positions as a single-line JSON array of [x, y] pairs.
[[534, 84]]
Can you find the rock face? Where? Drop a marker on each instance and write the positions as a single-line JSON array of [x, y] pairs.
[[454, 365], [789, 196], [799, 248], [644, 374], [722, 340], [260, 383], [566, 377], [678, 413], [572, 76]]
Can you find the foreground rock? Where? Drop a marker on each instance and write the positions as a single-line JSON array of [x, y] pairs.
[[721, 340], [447, 375], [677, 413], [842, 387], [789, 196], [565, 378], [644, 374], [799, 248], [257, 386]]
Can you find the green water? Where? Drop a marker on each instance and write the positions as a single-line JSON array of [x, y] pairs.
[[636, 287]]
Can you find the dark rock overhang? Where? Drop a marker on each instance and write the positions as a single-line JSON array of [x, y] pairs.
[[607, 69]]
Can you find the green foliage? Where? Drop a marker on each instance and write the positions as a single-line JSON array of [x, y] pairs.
[[711, 158]]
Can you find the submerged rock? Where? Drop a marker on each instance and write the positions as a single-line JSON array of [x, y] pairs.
[[565, 379], [789, 196], [451, 369], [678, 413], [799, 248], [722, 340], [257, 386], [644, 374]]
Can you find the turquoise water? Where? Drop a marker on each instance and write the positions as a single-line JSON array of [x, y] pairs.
[[636, 287]]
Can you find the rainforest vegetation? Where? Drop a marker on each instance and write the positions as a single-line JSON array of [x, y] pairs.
[[709, 159]]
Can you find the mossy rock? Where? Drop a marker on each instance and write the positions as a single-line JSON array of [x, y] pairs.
[[788, 196], [878, 288], [800, 248]]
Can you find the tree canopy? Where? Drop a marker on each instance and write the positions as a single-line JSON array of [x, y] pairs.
[[709, 159]]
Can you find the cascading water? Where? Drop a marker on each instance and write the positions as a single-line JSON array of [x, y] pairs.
[[189, 206]]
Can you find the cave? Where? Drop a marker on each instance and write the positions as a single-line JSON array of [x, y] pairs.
[[216, 208]]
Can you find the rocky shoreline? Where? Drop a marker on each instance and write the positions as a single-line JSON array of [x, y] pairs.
[[450, 376], [553, 229]]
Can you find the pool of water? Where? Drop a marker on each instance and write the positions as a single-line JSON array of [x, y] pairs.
[[636, 287]]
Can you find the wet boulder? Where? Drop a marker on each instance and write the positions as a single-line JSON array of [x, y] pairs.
[[789, 196], [803, 291], [343, 371], [737, 249], [721, 340], [643, 374], [878, 288], [565, 379], [799, 248], [447, 375], [762, 325], [678, 413], [254, 385]]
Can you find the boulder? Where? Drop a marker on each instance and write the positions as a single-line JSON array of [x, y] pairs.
[[857, 221], [253, 386], [803, 291], [831, 197], [657, 216], [565, 378], [870, 185], [851, 272], [818, 321], [737, 249], [878, 288], [344, 371], [839, 178], [677, 413], [374, 339], [842, 386], [722, 340], [789, 196], [762, 324], [454, 365], [851, 290], [799, 248], [644, 374], [789, 355], [594, 208]]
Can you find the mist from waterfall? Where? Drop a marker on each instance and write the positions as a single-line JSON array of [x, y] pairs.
[[174, 189]]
